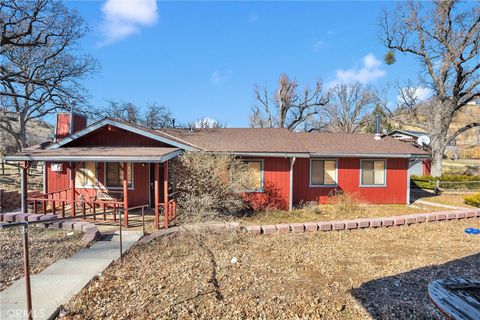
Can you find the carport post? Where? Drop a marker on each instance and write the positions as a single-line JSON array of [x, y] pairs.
[[157, 194], [165, 194], [24, 185], [72, 183], [125, 192]]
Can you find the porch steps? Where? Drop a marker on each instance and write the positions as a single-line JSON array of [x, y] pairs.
[[59, 282]]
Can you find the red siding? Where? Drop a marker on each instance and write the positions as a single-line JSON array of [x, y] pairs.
[[276, 185], [113, 136], [349, 181], [138, 196]]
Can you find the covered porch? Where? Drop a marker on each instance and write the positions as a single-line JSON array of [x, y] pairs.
[[99, 183]]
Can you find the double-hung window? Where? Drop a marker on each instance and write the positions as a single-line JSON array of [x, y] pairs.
[[373, 173], [323, 172], [85, 175], [114, 175], [255, 175]]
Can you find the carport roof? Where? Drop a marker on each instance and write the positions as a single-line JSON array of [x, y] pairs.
[[103, 154]]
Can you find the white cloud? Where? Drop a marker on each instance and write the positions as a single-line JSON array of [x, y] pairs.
[[220, 77], [370, 70], [122, 18]]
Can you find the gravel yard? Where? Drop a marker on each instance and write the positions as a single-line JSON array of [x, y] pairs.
[[380, 273], [46, 246]]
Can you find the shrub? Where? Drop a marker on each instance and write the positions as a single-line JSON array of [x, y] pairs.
[[447, 181], [344, 203], [473, 200], [311, 207], [209, 184], [270, 199]]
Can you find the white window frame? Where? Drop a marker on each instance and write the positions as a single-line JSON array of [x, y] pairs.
[[384, 172], [262, 167], [311, 185], [119, 188]]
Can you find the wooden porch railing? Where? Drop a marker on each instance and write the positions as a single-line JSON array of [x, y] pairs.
[[171, 211], [84, 205]]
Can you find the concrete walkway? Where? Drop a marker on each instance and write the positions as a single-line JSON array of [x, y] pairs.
[[58, 283]]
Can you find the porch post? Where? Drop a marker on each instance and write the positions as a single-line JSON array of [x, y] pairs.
[[157, 194], [125, 192], [24, 185], [72, 183], [165, 194]]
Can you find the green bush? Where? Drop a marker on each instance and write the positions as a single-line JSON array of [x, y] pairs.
[[447, 181], [473, 200]]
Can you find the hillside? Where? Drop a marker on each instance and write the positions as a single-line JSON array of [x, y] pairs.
[[37, 131], [468, 143]]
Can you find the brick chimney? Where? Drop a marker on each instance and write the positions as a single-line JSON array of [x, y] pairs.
[[68, 123]]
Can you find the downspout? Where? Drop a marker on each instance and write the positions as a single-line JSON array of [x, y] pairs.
[[408, 181], [290, 204]]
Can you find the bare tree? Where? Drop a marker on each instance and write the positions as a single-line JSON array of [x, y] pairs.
[[444, 36], [153, 116], [40, 66], [25, 24], [157, 116], [287, 108], [349, 104], [125, 111]]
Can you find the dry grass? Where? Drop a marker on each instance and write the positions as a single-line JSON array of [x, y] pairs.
[[380, 273], [329, 212], [46, 247], [450, 199]]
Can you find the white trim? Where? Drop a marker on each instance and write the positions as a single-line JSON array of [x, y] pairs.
[[408, 182], [290, 204], [373, 185], [310, 185], [132, 187], [114, 123], [152, 159], [262, 189]]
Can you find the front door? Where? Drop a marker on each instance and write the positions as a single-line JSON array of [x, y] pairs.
[[152, 186]]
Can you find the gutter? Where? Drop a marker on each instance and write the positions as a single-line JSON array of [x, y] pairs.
[[152, 159]]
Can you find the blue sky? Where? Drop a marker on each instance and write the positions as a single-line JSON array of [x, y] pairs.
[[204, 58]]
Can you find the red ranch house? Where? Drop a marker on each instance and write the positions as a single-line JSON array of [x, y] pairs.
[[115, 164]]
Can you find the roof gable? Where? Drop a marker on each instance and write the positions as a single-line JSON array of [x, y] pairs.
[[144, 132]]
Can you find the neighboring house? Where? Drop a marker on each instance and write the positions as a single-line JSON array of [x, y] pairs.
[[287, 167], [417, 166]]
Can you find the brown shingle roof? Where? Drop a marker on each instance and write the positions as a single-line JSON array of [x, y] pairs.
[[277, 140]]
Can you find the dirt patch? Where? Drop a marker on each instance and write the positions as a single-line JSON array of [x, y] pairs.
[[46, 246], [381, 273]]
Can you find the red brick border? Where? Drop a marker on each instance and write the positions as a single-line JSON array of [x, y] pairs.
[[365, 223], [90, 230]]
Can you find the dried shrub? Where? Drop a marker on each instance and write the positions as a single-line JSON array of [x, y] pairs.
[[311, 207], [209, 184], [344, 203], [271, 199]]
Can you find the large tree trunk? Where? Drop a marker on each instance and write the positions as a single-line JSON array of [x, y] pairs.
[[437, 157], [438, 134]]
